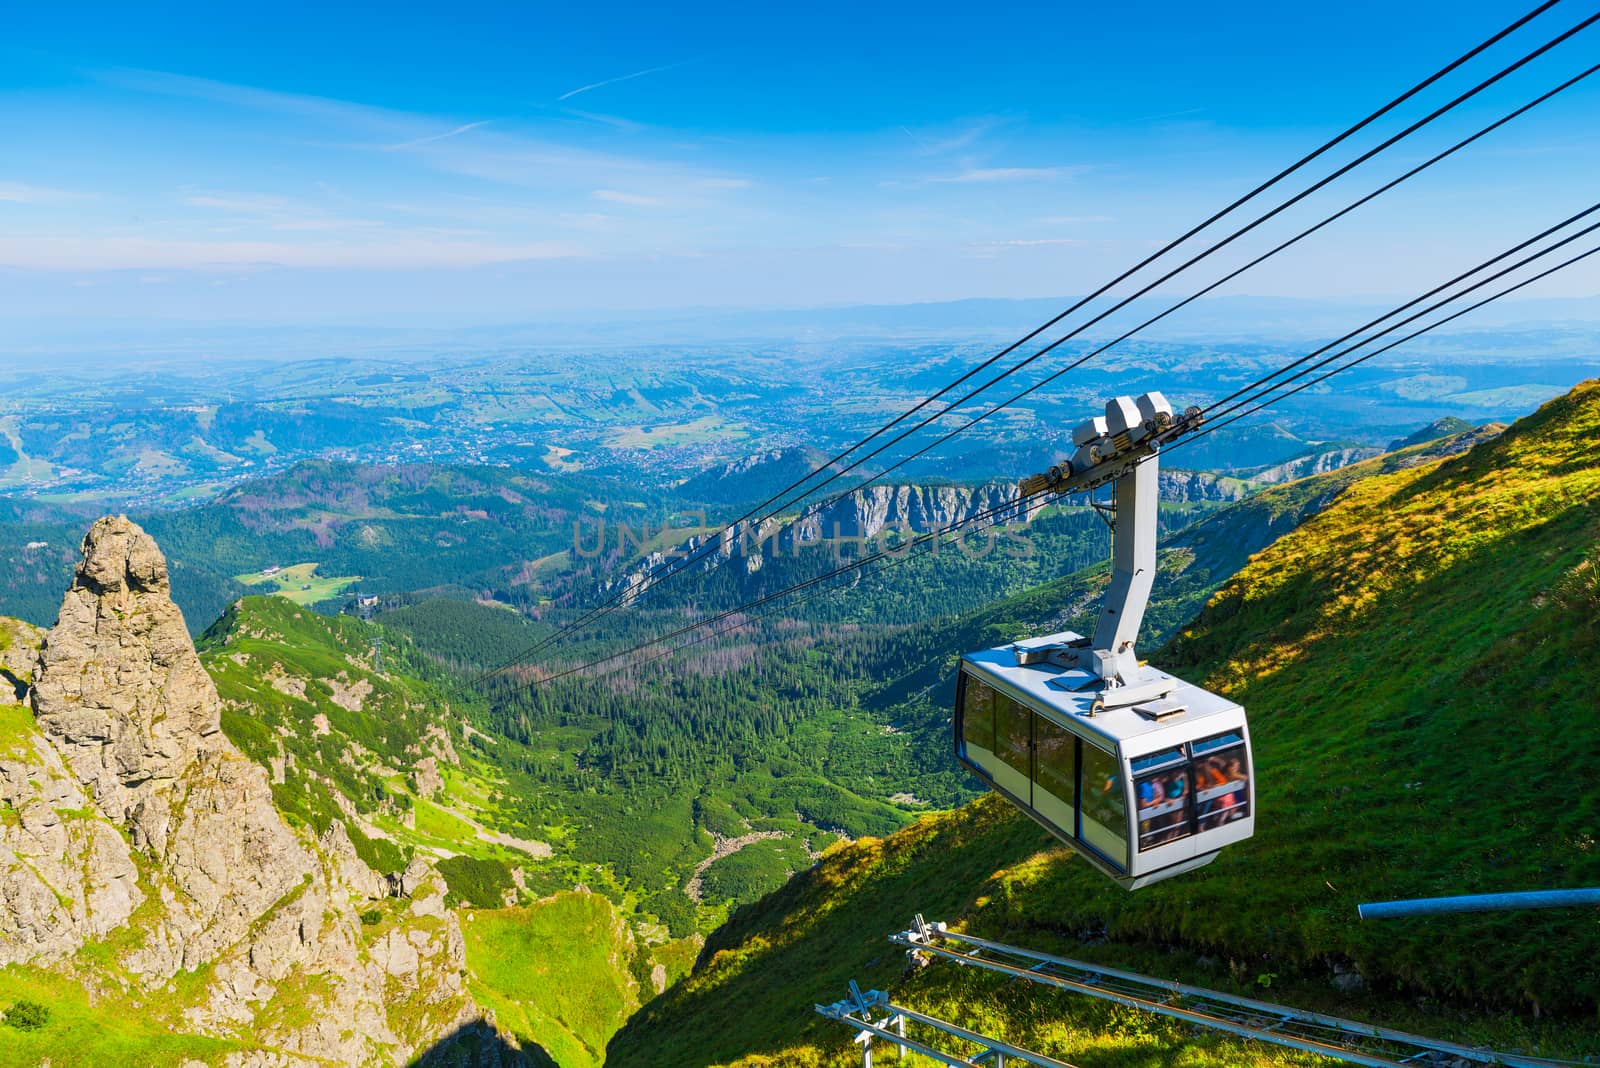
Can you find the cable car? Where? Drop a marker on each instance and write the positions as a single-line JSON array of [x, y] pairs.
[[1144, 792], [1143, 774]]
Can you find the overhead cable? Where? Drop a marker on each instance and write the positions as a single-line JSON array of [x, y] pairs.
[[629, 592]]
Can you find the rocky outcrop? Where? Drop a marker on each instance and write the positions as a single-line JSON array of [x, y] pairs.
[[425, 777], [876, 510], [1449, 426], [864, 515], [1454, 445], [1316, 464], [120, 695], [128, 821], [751, 478], [1179, 485], [19, 655]]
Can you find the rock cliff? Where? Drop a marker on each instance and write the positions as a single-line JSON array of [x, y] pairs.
[[138, 846], [1177, 484], [863, 515], [1319, 463]]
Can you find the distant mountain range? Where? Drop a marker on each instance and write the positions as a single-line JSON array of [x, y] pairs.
[[1233, 318]]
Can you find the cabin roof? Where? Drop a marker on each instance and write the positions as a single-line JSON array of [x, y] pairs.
[[1046, 687]]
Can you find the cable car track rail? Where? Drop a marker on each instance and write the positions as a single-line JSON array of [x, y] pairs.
[[1311, 1032], [858, 1011]]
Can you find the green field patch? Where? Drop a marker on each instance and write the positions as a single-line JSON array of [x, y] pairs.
[[754, 871], [299, 583], [663, 435], [1524, 396], [442, 825], [558, 459]]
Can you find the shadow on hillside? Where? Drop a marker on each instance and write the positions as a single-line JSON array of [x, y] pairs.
[[477, 1045]]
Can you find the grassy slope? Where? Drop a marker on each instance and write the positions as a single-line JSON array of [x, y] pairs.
[[559, 972], [1419, 662], [555, 973], [91, 1032], [279, 667]]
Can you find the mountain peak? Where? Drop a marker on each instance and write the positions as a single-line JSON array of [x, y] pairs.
[[136, 832], [119, 556], [118, 683]]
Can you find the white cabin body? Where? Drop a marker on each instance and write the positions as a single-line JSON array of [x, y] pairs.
[[1143, 791]]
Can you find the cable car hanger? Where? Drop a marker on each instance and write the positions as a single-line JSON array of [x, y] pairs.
[[1119, 447], [1143, 774]]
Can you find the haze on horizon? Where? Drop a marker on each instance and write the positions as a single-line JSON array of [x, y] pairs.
[[437, 168]]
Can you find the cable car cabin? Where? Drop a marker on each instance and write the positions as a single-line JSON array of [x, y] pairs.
[[1144, 791]]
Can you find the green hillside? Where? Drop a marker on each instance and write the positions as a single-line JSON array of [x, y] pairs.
[[565, 973], [347, 738], [1420, 664], [388, 749], [1197, 558]]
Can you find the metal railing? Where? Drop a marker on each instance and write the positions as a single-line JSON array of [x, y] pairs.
[[875, 1018], [1313, 1032]]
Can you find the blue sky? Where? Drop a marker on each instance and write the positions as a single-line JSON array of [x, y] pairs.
[[482, 163]]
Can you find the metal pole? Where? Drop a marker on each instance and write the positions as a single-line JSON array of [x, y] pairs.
[[900, 1026], [1430, 906]]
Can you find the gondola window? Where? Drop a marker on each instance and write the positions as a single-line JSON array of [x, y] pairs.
[[1105, 810]]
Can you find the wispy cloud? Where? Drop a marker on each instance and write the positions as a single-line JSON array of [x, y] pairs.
[[273, 212], [570, 93], [21, 193], [1031, 242], [416, 142], [938, 146], [1008, 174], [240, 203], [618, 196], [616, 122], [494, 153], [1074, 220], [988, 250], [248, 96], [63, 252]]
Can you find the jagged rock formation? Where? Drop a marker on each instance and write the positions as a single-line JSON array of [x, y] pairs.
[[863, 515], [751, 478], [132, 827], [870, 512], [1451, 444], [1319, 463], [1177, 484]]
